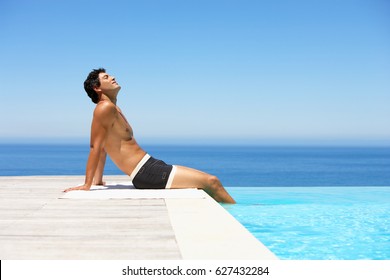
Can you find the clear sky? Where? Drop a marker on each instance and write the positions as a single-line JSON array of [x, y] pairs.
[[201, 71]]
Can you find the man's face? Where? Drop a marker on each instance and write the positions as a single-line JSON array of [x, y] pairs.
[[108, 83]]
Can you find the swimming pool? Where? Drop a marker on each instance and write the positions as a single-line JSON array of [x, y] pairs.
[[317, 223]]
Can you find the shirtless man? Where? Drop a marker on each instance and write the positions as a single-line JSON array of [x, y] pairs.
[[112, 134]]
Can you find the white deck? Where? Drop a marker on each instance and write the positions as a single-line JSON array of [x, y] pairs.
[[39, 221]]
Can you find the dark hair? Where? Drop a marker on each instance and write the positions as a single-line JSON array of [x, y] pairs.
[[93, 81]]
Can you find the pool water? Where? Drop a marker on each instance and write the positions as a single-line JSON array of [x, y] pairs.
[[317, 223]]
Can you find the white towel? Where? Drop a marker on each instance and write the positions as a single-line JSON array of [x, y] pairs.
[[120, 191]]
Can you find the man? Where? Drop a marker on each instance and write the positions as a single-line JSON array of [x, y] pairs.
[[112, 134]]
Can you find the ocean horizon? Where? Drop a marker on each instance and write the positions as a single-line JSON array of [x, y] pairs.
[[235, 165]]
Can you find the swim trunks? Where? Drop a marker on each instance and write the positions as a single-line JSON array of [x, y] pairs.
[[151, 173]]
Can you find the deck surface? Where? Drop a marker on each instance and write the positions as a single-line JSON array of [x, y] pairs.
[[37, 223]]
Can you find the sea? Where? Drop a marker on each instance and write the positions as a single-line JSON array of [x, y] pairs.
[[236, 166], [302, 202]]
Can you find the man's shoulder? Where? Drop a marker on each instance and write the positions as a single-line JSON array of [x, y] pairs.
[[105, 109]]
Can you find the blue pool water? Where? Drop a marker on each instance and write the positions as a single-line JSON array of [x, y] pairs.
[[301, 202], [318, 223]]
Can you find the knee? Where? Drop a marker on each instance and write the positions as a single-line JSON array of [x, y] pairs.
[[214, 182]]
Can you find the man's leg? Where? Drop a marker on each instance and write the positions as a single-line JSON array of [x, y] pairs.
[[191, 178]]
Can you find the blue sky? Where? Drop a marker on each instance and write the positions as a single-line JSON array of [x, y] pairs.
[[256, 72]]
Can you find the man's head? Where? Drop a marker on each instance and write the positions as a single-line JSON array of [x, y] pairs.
[[93, 82], [99, 82]]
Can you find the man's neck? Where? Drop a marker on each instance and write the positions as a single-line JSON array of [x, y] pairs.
[[105, 97]]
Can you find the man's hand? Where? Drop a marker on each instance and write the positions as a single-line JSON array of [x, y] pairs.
[[79, 188]]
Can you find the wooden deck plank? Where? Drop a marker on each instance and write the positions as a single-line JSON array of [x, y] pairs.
[[36, 224]]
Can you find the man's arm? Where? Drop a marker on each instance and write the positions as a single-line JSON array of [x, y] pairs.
[[104, 116], [98, 178]]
